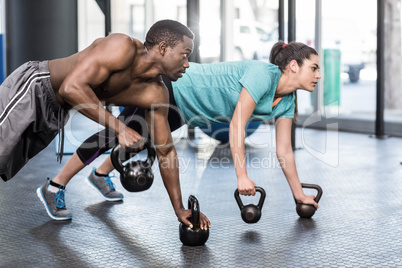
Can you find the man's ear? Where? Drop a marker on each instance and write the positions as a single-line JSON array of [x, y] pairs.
[[162, 48], [293, 66]]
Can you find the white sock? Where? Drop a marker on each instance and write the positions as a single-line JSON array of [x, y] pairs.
[[53, 189]]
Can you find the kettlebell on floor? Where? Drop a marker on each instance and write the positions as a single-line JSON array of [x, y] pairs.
[[193, 236], [304, 210], [135, 176]]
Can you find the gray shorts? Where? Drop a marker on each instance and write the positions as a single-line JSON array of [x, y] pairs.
[[30, 116]]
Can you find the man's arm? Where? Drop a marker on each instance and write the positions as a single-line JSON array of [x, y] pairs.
[[112, 54], [168, 161], [286, 159]]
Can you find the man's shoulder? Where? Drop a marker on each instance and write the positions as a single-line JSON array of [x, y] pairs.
[[119, 36], [157, 94], [157, 88], [120, 41]]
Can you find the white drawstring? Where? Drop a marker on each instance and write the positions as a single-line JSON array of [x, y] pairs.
[[60, 149]]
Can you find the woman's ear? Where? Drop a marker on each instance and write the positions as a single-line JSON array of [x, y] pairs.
[[293, 66]]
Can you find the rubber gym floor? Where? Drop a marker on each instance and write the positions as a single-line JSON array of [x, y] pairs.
[[358, 224]]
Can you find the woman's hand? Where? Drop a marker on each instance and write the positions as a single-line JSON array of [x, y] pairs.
[[308, 200], [245, 185]]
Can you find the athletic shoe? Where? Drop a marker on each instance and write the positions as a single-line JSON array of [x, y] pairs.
[[54, 202], [104, 186]]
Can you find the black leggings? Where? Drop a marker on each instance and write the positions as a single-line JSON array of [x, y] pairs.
[[134, 117]]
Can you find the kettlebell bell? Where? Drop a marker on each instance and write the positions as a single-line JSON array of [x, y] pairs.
[[250, 213], [304, 210], [135, 176], [193, 236]]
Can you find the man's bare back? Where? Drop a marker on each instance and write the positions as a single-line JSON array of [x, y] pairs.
[[131, 71]]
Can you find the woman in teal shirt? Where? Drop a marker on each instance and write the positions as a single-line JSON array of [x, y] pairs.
[[219, 93], [208, 93]]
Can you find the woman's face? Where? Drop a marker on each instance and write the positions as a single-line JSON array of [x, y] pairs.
[[309, 73]]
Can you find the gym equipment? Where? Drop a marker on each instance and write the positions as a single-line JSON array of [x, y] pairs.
[[193, 236], [220, 132], [250, 213], [304, 210], [135, 176]]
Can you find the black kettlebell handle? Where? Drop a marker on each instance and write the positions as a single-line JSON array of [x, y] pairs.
[[312, 186], [193, 236], [257, 189], [195, 211], [118, 150]]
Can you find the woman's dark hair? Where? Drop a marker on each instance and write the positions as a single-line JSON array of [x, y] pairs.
[[282, 54], [170, 31]]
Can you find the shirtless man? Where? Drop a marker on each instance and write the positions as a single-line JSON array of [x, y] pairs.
[[119, 70]]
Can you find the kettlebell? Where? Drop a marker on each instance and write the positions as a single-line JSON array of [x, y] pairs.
[[135, 176], [304, 210], [251, 213], [193, 236]]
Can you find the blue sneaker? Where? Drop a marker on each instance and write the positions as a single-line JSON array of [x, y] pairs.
[[54, 202], [104, 186]]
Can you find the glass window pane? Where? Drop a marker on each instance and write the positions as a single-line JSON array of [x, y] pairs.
[[91, 23], [393, 69], [135, 17], [245, 29], [253, 24], [305, 33], [210, 31], [349, 45], [172, 9]]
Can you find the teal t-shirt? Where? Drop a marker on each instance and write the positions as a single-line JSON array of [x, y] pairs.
[[208, 93]]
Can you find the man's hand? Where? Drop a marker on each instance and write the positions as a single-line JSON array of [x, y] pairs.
[[130, 139], [246, 186], [183, 215]]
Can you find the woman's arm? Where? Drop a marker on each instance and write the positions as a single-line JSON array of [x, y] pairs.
[[286, 159], [243, 111]]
